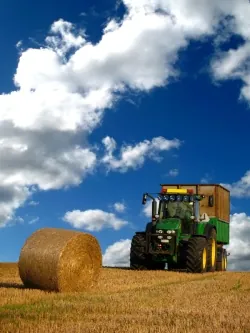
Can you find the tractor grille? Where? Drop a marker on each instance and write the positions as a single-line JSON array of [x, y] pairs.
[[161, 243]]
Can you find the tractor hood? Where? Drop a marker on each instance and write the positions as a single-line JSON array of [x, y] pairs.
[[169, 224]]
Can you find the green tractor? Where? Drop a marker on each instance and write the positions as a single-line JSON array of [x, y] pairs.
[[188, 230]]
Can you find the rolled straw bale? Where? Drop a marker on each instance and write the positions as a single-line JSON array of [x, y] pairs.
[[60, 260]]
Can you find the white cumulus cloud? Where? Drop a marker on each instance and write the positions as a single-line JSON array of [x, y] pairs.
[[134, 156], [234, 64], [240, 188], [239, 246], [94, 220], [117, 254], [119, 207], [64, 37], [11, 198]]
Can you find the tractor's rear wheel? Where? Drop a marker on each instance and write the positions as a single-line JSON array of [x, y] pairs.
[[138, 259], [221, 266], [225, 261], [197, 255], [212, 251]]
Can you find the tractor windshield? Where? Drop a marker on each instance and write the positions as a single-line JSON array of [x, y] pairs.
[[182, 210]]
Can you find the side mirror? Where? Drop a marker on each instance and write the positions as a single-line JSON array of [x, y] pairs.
[[211, 201], [144, 198]]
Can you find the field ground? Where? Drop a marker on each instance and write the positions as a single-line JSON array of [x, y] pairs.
[[130, 301]]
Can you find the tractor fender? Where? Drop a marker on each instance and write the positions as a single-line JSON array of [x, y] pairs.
[[140, 233], [149, 227], [207, 231]]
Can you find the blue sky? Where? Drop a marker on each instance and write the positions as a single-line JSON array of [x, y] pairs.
[[178, 81]]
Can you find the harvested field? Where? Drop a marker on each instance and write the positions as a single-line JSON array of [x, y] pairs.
[[129, 301]]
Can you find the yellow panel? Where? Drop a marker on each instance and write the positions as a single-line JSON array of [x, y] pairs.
[[177, 190]]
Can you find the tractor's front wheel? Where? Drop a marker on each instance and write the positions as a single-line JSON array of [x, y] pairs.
[[212, 251], [197, 255], [138, 258]]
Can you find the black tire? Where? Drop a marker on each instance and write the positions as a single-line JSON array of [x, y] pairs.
[[138, 259], [221, 266], [212, 251], [197, 255]]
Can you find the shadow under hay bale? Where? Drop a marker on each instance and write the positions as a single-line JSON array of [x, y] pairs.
[[60, 260], [11, 285]]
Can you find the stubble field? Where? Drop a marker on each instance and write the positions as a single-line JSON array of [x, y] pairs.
[[130, 301]]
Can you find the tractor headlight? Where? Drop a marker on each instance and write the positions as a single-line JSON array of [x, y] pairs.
[[169, 232], [172, 198], [169, 237], [173, 231], [159, 231]]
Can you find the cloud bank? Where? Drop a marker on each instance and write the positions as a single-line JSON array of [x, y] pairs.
[[63, 89]]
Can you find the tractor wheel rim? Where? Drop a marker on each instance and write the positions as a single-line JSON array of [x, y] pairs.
[[204, 259], [213, 254]]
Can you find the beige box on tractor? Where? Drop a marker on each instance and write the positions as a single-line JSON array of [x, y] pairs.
[[216, 202]]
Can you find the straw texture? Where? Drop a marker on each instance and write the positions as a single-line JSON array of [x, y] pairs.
[[60, 260]]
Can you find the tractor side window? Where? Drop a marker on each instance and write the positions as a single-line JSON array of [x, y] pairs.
[[160, 211], [163, 210]]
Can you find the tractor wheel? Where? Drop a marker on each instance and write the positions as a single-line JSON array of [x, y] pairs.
[[138, 259], [197, 255], [212, 252], [225, 260], [221, 266]]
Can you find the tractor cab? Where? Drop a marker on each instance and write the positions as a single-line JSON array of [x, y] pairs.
[[175, 205]]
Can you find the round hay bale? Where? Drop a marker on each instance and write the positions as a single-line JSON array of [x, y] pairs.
[[60, 260]]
